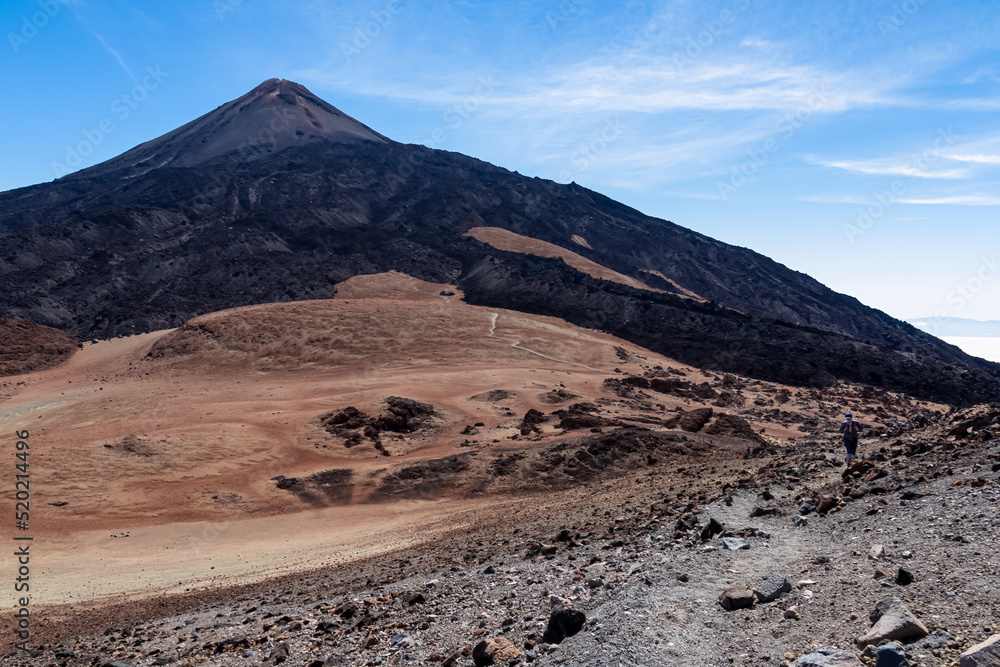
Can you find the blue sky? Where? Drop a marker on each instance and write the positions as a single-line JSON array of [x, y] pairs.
[[854, 141]]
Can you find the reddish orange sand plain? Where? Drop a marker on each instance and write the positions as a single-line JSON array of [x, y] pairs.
[[153, 474]]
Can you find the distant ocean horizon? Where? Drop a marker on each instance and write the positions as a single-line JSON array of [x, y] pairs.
[[987, 347]]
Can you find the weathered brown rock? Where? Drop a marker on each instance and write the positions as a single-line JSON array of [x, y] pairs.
[[693, 421], [896, 622], [494, 651], [737, 597], [825, 503]]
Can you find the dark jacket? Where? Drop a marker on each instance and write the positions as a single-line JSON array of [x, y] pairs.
[[851, 429]]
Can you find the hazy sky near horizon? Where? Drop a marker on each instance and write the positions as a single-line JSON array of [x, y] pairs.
[[855, 141]]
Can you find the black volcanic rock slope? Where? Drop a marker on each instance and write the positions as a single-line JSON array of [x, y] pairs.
[[278, 196]]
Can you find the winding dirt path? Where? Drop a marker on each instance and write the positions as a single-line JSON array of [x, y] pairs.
[[517, 345]]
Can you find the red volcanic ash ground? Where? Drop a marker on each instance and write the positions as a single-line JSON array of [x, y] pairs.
[[269, 443]]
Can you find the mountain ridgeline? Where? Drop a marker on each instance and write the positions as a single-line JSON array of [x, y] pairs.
[[278, 196]]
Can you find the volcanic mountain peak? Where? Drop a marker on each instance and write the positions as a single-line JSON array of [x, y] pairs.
[[273, 116]]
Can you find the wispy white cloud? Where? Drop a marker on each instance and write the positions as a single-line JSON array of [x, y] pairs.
[[989, 73], [834, 199], [972, 104], [117, 56], [892, 167], [961, 200], [979, 159], [641, 83], [944, 200], [74, 7], [980, 150]]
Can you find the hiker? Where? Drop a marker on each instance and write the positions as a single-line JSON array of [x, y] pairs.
[[851, 430]]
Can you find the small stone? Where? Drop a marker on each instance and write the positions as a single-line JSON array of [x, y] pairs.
[[735, 543], [907, 554], [683, 577], [825, 503], [938, 639], [877, 552], [891, 655], [828, 657], [489, 569], [737, 597], [371, 641], [800, 521], [904, 577], [772, 588], [792, 614]]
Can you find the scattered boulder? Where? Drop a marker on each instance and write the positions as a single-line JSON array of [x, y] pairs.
[[891, 655], [828, 657], [807, 506], [772, 588], [825, 503], [277, 655], [532, 418], [734, 426], [737, 597], [405, 415], [582, 415], [413, 598], [687, 521], [939, 639], [894, 621], [563, 623], [346, 610], [763, 511], [494, 651], [711, 530], [696, 419], [984, 654], [735, 543], [552, 397]]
